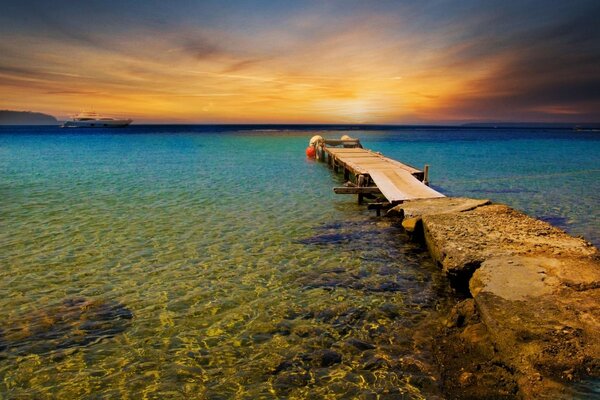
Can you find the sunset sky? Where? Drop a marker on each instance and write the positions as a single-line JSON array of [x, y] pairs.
[[383, 62]]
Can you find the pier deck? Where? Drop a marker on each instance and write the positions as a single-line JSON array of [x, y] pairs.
[[397, 182]]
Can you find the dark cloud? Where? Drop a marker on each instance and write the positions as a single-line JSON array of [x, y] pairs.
[[241, 65], [530, 59], [12, 70], [75, 92], [553, 67], [201, 48]]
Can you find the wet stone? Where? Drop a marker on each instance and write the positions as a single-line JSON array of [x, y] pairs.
[[288, 380], [389, 286], [304, 331], [331, 239], [359, 344], [323, 375], [261, 337], [352, 236], [284, 366], [331, 283], [344, 322], [284, 328], [390, 310], [462, 314], [293, 314], [387, 270], [374, 362], [325, 315], [329, 358]]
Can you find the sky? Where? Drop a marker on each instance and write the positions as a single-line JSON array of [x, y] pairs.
[[371, 62]]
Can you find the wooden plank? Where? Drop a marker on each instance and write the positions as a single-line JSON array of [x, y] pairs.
[[368, 160], [354, 154], [365, 166], [399, 185], [356, 168], [396, 181], [360, 155], [359, 159], [357, 190], [409, 168], [364, 155], [348, 150]]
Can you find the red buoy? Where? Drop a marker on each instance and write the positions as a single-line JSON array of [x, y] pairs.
[[311, 152]]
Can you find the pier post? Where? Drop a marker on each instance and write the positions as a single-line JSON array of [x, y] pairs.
[[360, 181], [426, 175]]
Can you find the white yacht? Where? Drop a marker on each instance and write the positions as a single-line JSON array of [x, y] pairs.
[[93, 120]]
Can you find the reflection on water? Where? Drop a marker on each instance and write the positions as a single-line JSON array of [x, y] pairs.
[[203, 265]]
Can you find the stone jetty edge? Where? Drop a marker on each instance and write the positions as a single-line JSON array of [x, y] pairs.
[[530, 323]]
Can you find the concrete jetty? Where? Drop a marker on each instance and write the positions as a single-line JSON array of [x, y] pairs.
[[533, 316]]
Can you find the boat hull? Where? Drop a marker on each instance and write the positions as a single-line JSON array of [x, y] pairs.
[[116, 123]]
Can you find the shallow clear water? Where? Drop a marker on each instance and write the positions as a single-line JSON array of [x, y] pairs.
[[246, 276]]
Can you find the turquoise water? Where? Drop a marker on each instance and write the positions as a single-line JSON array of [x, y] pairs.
[[245, 275], [553, 175]]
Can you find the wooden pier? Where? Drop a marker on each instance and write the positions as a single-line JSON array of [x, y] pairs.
[[368, 173]]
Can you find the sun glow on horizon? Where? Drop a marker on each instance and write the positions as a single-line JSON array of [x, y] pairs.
[[359, 66]]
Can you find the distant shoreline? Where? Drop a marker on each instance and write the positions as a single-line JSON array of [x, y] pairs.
[[8, 117], [352, 126], [30, 118]]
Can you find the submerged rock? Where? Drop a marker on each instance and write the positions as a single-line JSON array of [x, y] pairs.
[[75, 322], [329, 358], [359, 344], [297, 371], [328, 239], [353, 235], [287, 380], [343, 279], [470, 366]]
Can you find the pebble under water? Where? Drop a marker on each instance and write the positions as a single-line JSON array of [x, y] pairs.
[[182, 262]]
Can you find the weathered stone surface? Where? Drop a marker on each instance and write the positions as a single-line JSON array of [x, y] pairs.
[[514, 278], [523, 277], [539, 322], [442, 205], [461, 241], [536, 292]]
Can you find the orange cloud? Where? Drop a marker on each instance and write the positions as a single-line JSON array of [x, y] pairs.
[[368, 68]]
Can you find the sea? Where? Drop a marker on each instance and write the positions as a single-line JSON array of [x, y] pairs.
[[215, 262]]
